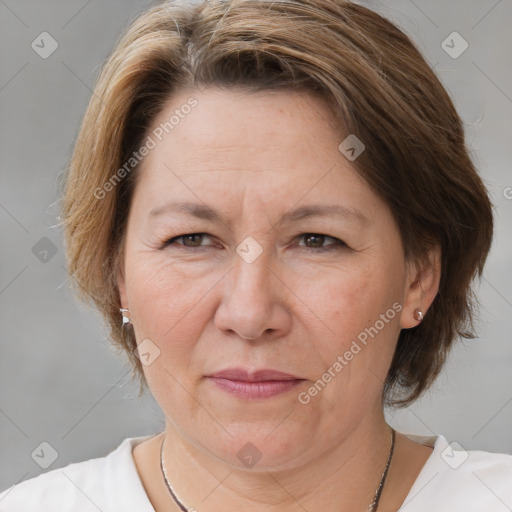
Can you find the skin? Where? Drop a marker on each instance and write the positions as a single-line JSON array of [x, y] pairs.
[[253, 157]]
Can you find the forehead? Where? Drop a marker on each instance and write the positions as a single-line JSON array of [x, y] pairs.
[[245, 129], [232, 144]]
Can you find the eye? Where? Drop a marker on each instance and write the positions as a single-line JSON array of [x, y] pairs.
[[316, 240], [312, 241], [189, 240]]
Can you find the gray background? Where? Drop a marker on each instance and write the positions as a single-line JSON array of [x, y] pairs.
[[59, 381]]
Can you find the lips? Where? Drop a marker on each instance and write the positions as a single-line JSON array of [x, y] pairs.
[[256, 376], [256, 385]]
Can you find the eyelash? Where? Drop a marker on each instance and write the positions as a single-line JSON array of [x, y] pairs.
[[339, 244]]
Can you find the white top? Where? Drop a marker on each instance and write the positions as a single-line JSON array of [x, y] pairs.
[[452, 480]]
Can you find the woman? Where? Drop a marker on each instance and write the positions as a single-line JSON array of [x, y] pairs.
[[273, 206]]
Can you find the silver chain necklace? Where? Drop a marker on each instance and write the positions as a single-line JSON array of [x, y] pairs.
[[372, 507]]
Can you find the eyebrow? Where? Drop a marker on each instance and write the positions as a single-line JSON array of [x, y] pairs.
[[204, 212]]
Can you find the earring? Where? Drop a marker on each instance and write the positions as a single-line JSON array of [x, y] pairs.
[[126, 319], [418, 315]]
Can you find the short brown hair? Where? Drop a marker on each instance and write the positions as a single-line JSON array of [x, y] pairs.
[[378, 86]]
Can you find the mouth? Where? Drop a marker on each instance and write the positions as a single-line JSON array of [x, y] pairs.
[[256, 385]]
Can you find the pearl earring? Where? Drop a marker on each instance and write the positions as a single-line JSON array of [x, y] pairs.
[[126, 319], [418, 315]]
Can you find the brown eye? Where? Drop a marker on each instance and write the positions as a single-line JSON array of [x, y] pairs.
[[188, 240], [316, 241], [193, 240]]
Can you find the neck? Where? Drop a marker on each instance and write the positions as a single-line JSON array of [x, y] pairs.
[[344, 477]]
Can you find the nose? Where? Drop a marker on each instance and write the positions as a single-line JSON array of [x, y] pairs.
[[253, 303]]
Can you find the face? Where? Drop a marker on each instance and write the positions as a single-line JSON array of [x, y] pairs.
[[225, 268]]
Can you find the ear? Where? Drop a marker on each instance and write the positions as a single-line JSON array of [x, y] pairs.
[[421, 287]]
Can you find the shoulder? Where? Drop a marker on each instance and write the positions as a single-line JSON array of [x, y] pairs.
[[456, 479], [105, 483], [65, 488]]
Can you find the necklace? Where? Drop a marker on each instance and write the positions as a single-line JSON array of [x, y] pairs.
[[372, 507]]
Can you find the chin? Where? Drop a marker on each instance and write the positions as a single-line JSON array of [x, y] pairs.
[[253, 447]]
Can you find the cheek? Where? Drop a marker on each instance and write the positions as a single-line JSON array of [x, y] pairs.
[[166, 305], [160, 291], [356, 305], [169, 311], [343, 297]]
